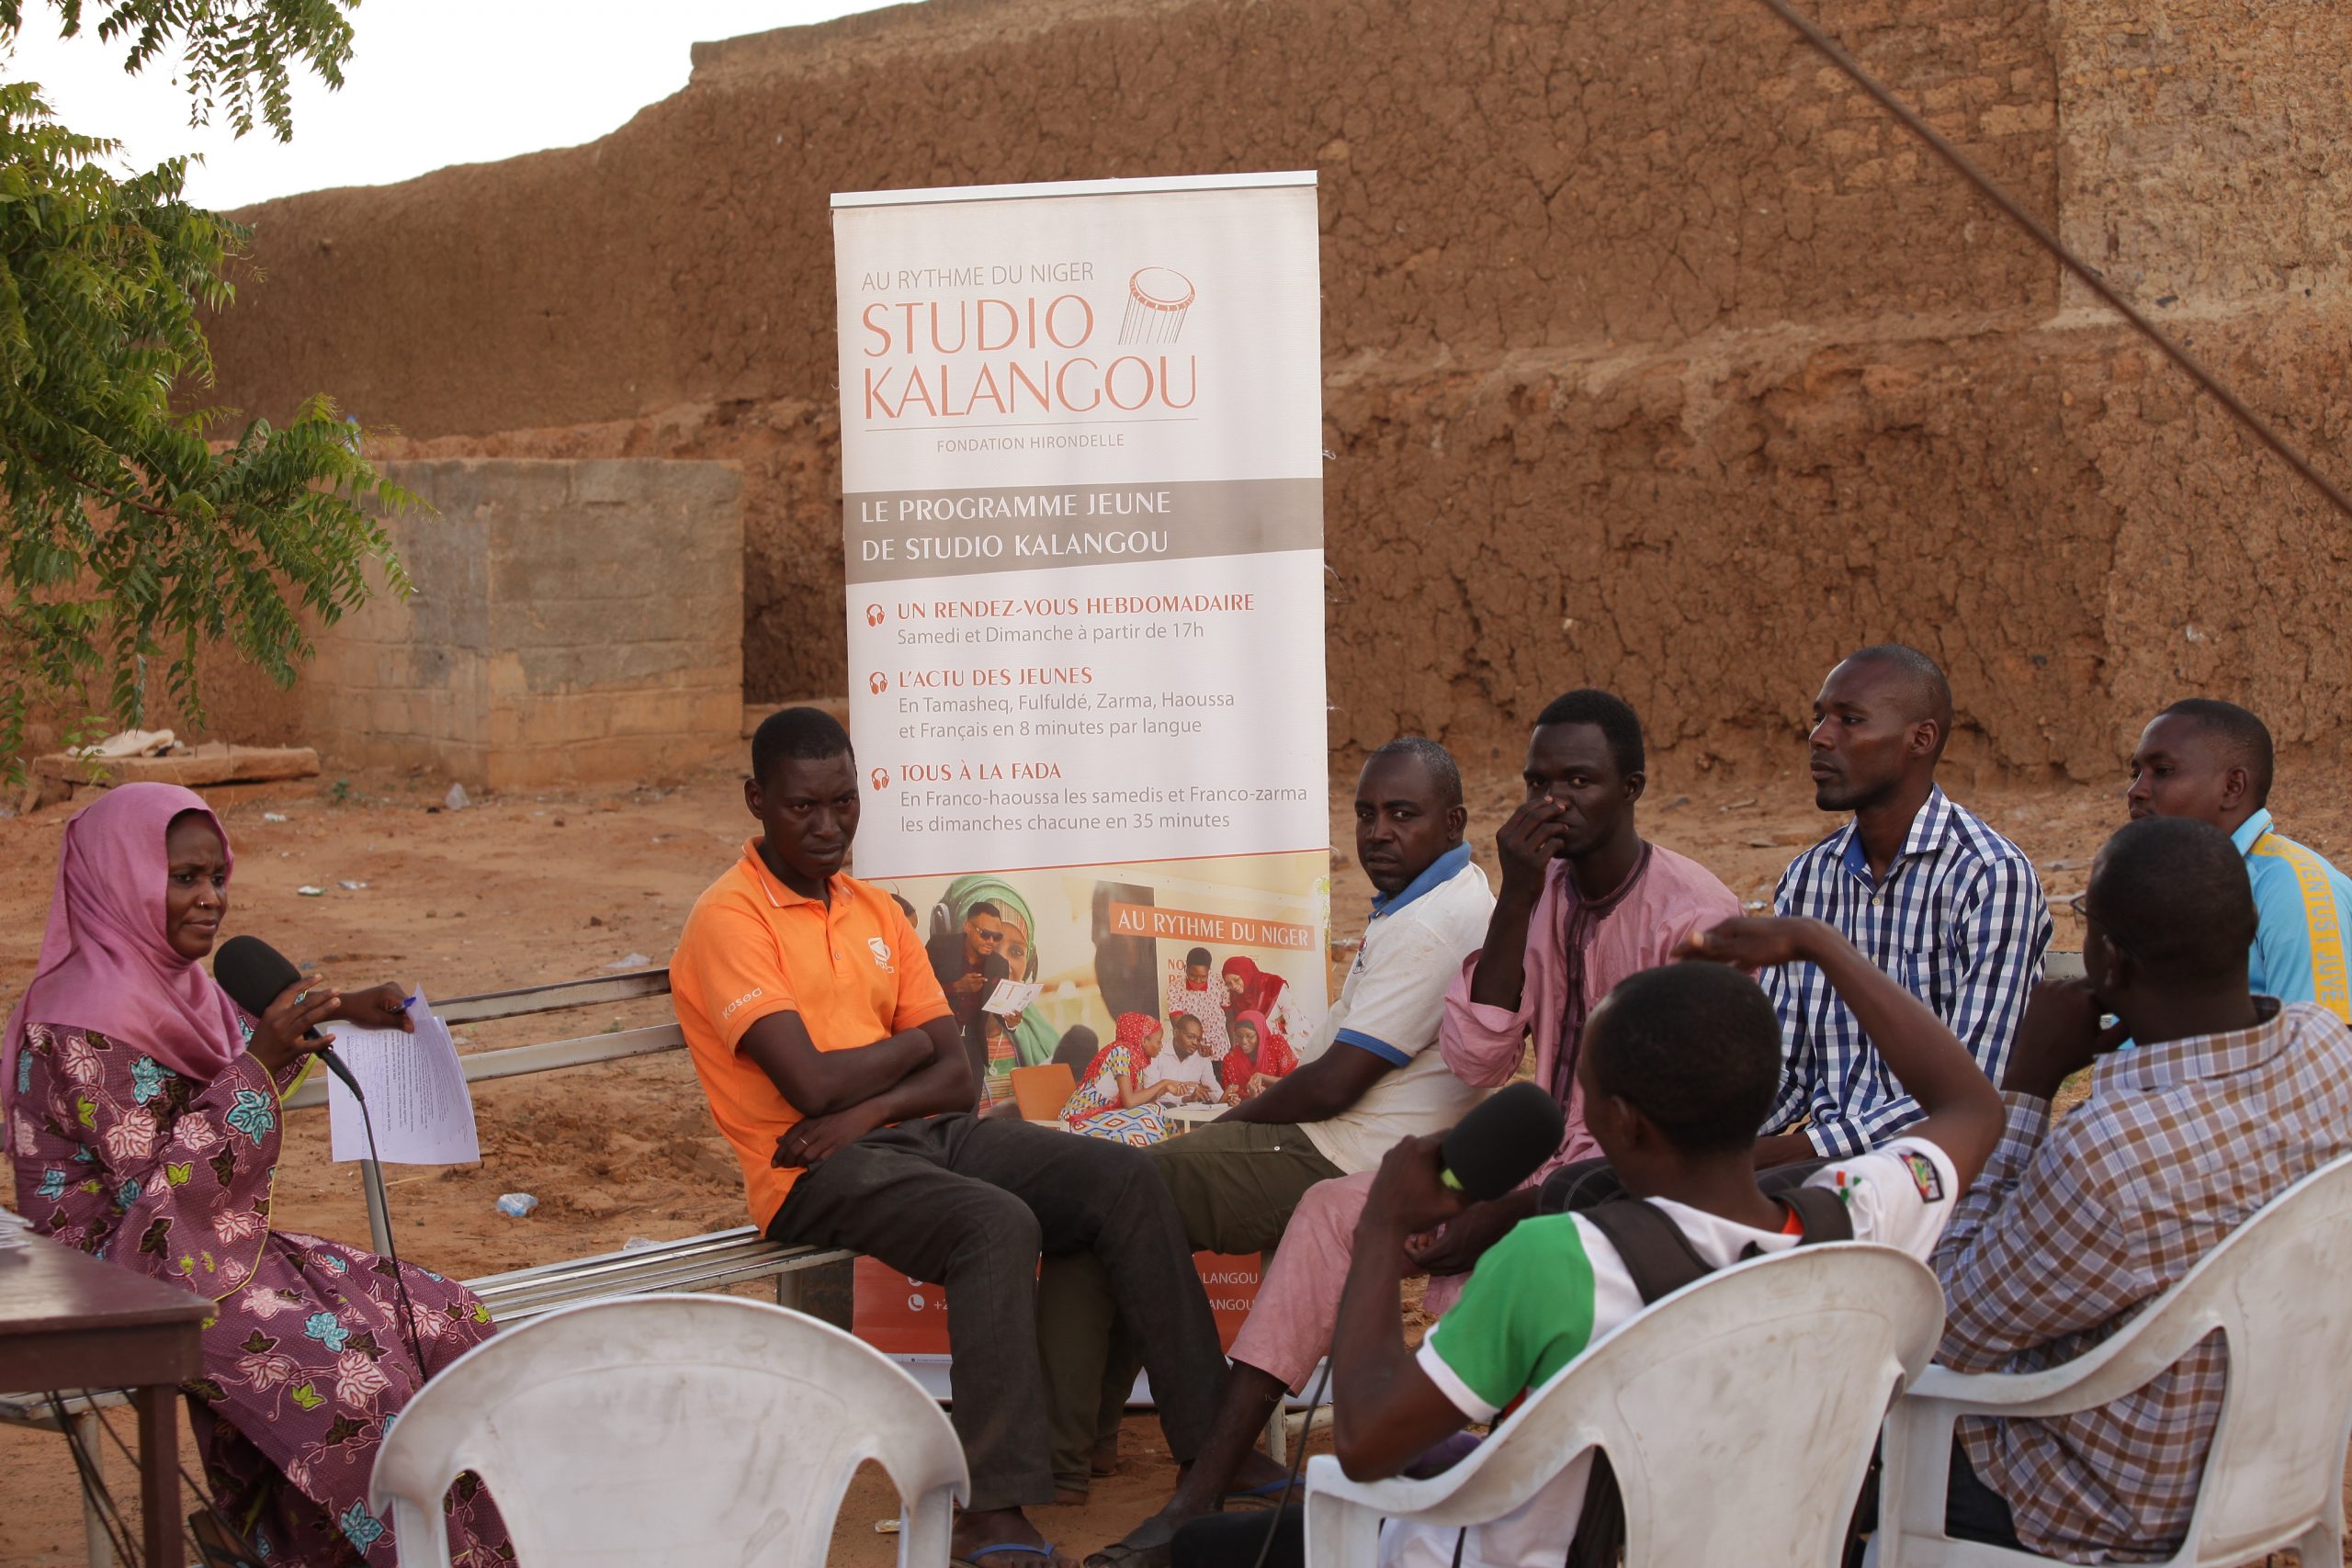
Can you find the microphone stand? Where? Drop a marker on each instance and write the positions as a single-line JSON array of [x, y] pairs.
[[334, 1063]]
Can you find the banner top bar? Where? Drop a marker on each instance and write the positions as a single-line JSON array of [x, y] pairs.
[[1035, 189]]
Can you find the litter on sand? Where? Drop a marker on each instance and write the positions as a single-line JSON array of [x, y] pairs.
[[311, 892]]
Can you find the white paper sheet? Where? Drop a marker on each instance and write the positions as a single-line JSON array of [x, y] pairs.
[[416, 1092], [1011, 996]]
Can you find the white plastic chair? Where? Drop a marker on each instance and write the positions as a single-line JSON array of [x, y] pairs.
[[1738, 1413], [2274, 1477], [701, 1429]]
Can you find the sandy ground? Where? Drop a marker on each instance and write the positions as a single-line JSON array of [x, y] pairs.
[[521, 889]]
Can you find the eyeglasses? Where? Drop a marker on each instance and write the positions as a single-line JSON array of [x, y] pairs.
[[2079, 904]]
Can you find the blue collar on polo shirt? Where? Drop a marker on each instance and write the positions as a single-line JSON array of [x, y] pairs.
[[1439, 872], [2250, 831]]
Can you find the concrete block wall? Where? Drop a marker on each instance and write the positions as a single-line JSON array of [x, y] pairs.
[[574, 623]]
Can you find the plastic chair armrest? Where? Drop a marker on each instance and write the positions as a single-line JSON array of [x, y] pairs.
[[2145, 1347]]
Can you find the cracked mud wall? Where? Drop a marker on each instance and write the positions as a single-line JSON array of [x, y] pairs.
[[1655, 356]]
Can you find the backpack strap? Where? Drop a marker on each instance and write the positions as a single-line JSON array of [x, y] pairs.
[[1821, 1213], [1655, 1253], [1661, 1258]]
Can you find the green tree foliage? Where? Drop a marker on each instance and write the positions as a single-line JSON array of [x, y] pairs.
[[138, 528]]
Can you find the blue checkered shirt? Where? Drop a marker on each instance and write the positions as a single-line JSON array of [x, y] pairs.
[[1960, 921]]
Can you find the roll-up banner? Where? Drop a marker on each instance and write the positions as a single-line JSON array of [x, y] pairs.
[[1083, 527]]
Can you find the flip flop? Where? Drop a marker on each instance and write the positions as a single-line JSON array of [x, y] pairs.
[[1270, 1495], [972, 1560], [1130, 1553]]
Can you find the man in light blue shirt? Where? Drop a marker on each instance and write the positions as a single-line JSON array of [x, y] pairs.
[[2211, 760]]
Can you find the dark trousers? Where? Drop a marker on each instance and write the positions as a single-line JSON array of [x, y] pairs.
[[1234, 1540], [971, 1204], [1973, 1511], [1234, 1184], [1588, 1183]]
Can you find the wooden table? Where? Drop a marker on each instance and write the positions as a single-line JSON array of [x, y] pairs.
[[68, 1321]]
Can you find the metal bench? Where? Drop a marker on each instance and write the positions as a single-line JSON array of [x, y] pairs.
[[694, 1263]]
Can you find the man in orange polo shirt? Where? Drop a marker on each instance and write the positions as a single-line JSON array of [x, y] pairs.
[[834, 1068]]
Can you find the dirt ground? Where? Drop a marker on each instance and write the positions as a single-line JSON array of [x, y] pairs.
[[521, 889]]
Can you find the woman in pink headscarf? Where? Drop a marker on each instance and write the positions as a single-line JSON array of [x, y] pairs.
[[1249, 988], [142, 1114]]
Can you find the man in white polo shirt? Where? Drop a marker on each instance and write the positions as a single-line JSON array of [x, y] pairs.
[[1369, 1075]]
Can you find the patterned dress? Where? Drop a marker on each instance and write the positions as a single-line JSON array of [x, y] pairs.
[[305, 1364], [1094, 1109]]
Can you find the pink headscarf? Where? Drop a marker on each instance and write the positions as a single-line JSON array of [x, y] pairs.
[[105, 963], [1258, 991]]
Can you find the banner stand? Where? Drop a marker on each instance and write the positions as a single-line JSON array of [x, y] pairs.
[[1083, 536]]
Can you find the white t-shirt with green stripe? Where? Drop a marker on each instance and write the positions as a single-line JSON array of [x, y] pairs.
[[1555, 1285]]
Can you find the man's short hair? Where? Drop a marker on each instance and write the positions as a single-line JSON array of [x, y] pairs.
[[1696, 1048], [1927, 695], [2172, 893], [1197, 959], [981, 907], [2245, 736], [1181, 1019], [1445, 774], [807, 735], [1607, 712]]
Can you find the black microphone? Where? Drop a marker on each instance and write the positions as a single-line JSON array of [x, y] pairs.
[[254, 974], [1502, 1141]]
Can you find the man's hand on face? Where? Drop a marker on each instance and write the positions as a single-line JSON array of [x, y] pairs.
[[1529, 842], [2058, 1037]]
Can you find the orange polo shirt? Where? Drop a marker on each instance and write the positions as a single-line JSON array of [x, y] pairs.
[[853, 969]]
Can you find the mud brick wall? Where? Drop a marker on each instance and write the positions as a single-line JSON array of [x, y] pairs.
[[1655, 356]]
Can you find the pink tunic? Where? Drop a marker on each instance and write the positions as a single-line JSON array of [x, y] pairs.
[[1289, 1328], [1673, 896]]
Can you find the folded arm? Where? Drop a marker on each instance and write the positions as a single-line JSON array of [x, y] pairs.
[[819, 1082], [943, 1083]]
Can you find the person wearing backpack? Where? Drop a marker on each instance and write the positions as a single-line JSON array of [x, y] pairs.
[[1678, 1068]]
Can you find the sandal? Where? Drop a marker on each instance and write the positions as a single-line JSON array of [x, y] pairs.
[[1271, 1495], [214, 1546], [1154, 1552], [972, 1560]]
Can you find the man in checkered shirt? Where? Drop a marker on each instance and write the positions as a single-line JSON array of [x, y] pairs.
[[2227, 1100], [1927, 891]]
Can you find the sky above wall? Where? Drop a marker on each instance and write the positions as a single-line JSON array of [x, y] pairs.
[[431, 82]]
